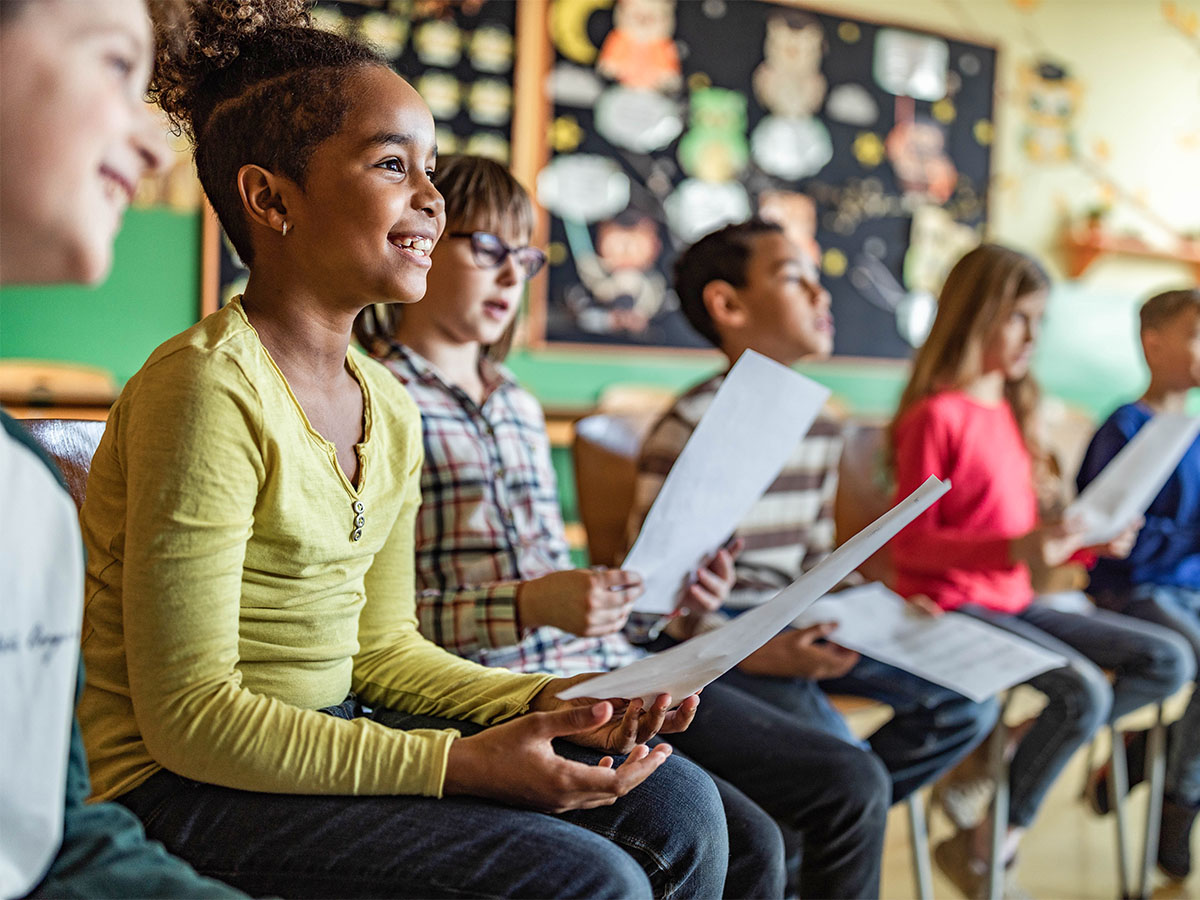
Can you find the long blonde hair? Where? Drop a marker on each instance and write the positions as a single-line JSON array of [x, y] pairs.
[[978, 296]]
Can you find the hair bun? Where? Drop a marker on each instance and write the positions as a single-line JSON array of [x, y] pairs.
[[193, 74]]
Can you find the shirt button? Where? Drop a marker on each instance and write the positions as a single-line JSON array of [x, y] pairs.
[[356, 534], [360, 521], [358, 506]]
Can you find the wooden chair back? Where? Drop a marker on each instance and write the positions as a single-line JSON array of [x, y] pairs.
[[604, 453]]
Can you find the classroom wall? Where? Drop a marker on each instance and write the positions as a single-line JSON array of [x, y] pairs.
[[153, 293], [1138, 124]]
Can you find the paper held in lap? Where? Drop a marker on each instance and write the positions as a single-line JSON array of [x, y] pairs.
[[753, 425], [686, 668], [971, 657], [1127, 486]]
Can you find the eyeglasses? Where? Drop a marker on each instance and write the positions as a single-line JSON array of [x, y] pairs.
[[489, 252]]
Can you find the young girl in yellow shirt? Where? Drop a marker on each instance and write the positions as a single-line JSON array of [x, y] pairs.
[[250, 621]]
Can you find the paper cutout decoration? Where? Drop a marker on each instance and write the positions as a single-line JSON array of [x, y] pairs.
[[638, 120], [570, 85], [447, 140], [791, 143], [697, 207], [914, 311], [852, 104], [917, 152], [330, 18], [788, 82], [621, 289], [442, 94], [791, 148], [688, 667], [911, 65], [565, 134], [438, 43], [489, 144], [583, 187], [868, 149], [1051, 98], [714, 148], [491, 49], [489, 102], [569, 25], [386, 31], [935, 243], [640, 51]]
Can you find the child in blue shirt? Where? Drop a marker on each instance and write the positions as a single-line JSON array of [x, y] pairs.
[[1160, 580]]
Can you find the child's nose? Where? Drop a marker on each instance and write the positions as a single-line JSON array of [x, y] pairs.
[[150, 141]]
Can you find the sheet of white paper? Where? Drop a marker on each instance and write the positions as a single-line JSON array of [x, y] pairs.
[[1129, 483], [753, 425], [685, 669], [953, 650]]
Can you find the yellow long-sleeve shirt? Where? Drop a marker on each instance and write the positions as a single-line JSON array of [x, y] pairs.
[[228, 598]]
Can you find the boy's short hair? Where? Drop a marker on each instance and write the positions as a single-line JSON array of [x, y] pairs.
[[721, 255], [1160, 309]]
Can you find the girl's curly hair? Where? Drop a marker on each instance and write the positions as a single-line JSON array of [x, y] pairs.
[[253, 82]]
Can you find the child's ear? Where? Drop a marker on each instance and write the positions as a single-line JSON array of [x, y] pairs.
[[263, 196], [724, 305], [1151, 343]]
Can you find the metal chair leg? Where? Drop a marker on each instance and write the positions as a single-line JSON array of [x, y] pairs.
[[1118, 790], [1087, 769], [998, 763], [919, 832], [1156, 761]]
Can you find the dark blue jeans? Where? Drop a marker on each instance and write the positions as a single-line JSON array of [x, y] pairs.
[[1176, 608], [1149, 663], [932, 727], [829, 797], [667, 837]]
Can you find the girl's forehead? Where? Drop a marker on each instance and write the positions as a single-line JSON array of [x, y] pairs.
[[383, 103], [1031, 304]]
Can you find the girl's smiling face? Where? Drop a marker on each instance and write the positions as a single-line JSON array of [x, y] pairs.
[[367, 218], [470, 302], [76, 132]]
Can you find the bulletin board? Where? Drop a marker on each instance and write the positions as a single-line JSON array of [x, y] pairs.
[[459, 54], [869, 143]]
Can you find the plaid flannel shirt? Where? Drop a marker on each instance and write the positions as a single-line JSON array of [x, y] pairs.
[[787, 532], [490, 519]]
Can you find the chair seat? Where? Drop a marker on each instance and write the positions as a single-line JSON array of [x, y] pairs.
[[71, 443]]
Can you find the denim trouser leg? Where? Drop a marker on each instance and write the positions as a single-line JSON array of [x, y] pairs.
[[801, 698], [829, 793], [1176, 608], [932, 727], [667, 837], [1149, 663]]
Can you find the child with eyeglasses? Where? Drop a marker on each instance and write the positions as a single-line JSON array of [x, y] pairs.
[[495, 582]]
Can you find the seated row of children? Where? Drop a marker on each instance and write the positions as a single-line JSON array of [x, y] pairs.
[[280, 533]]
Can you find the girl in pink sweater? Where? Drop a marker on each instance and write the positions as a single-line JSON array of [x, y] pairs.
[[967, 415]]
